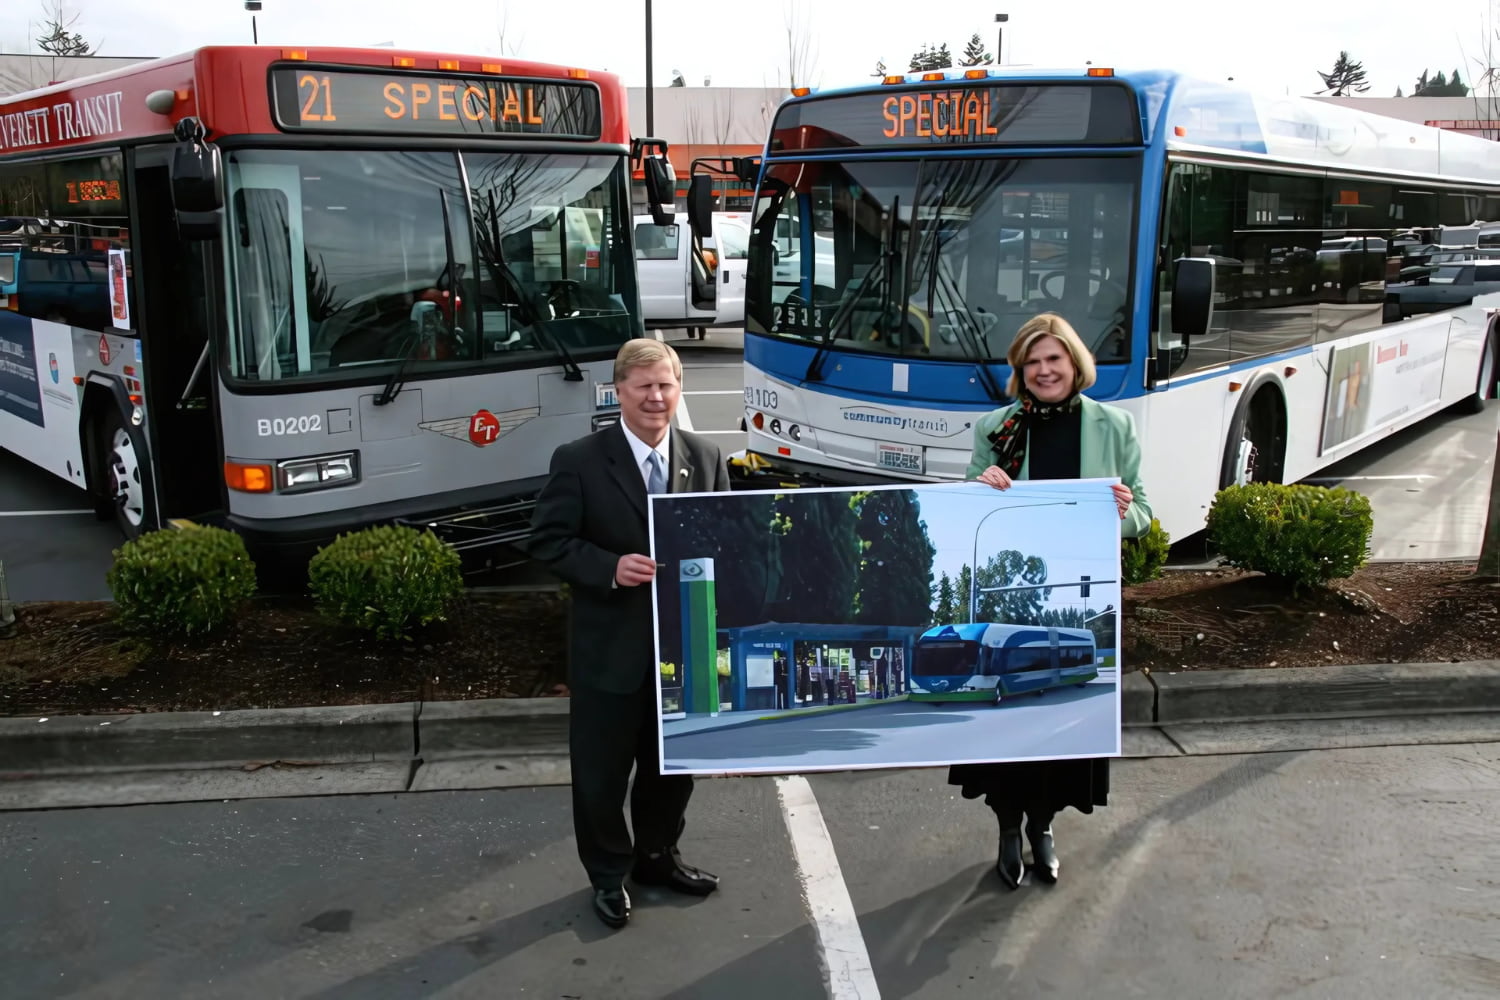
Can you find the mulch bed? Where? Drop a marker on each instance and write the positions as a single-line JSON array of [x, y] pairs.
[[1384, 613], [73, 659]]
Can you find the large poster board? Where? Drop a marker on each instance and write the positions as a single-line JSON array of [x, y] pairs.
[[845, 628]]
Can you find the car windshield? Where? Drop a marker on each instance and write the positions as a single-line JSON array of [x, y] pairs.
[[943, 258], [344, 262]]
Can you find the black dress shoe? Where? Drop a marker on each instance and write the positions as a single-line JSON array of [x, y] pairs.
[[612, 906], [666, 868], [1010, 866]]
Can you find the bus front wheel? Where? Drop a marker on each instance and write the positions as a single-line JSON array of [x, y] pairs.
[[1257, 441], [124, 485]]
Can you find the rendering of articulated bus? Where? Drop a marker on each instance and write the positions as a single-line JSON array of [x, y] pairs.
[[295, 292], [1250, 273], [987, 662]]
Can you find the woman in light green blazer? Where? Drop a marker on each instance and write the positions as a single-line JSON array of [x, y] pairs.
[[1052, 431]]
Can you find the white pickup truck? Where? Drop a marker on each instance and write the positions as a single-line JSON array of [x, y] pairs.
[[664, 269]]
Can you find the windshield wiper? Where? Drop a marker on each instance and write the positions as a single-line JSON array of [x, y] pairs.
[[418, 317], [530, 314], [814, 371], [969, 328]]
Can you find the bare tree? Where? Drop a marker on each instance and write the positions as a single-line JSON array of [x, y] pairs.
[[692, 123], [1486, 74], [55, 35], [722, 115], [502, 29], [801, 53]]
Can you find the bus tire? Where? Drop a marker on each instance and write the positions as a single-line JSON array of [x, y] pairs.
[[1485, 385], [124, 480], [1256, 448]]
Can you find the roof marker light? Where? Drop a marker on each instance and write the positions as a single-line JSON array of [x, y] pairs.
[[448, 64], [406, 62], [490, 67], [894, 79], [299, 54], [976, 74], [934, 76], [801, 91], [1101, 71]]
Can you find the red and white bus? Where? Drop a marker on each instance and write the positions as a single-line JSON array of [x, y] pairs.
[[297, 291]]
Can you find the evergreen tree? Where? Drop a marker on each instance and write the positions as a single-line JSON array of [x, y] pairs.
[[974, 53], [945, 609], [1398, 91], [1346, 76], [943, 58], [962, 594], [895, 565]]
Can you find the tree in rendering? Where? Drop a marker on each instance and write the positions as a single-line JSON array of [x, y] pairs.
[[929, 58], [895, 559], [1346, 77], [945, 605], [1440, 86], [975, 54], [1012, 568]]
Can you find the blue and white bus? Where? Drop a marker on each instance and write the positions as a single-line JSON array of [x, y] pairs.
[[1235, 263], [983, 661]]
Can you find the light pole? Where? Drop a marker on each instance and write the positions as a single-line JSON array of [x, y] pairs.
[[252, 6], [650, 132], [974, 565], [1000, 39]]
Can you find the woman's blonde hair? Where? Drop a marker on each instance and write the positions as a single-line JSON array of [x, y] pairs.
[[642, 352], [1049, 325]]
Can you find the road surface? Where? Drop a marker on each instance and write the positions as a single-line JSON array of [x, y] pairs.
[[1069, 722], [1368, 873]]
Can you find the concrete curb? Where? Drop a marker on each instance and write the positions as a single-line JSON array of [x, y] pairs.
[[517, 727]]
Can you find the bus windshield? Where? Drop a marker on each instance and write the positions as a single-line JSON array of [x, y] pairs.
[[344, 261], [943, 257]]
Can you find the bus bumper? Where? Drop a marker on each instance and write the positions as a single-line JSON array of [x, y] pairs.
[[751, 470], [487, 528]]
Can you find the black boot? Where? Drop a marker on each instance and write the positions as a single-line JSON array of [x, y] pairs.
[[1009, 865], [1043, 855]]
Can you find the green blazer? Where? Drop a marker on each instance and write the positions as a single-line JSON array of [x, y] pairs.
[[1109, 450]]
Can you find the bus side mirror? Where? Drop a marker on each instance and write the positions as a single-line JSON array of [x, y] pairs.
[[1192, 296], [661, 189], [701, 205], [197, 189]]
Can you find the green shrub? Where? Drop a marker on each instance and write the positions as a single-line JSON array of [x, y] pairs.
[[180, 582], [1142, 558], [1303, 535], [387, 579]]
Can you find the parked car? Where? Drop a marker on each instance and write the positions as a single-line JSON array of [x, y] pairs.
[[1451, 284]]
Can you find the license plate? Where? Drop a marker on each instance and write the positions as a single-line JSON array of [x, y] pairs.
[[604, 396], [899, 457]]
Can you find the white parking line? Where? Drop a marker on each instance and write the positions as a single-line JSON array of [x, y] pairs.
[[713, 392], [683, 420], [845, 960], [40, 513], [1357, 479], [720, 432]]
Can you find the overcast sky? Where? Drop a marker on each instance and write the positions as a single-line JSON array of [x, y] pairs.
[[1275, 45]]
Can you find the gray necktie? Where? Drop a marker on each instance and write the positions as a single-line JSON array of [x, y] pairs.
[[657, 482]]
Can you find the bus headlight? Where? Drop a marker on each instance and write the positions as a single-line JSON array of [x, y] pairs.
[[297, 475]]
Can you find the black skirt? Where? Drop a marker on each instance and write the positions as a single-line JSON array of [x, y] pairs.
[[1037, 784]]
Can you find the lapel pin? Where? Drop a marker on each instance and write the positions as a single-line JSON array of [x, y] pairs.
[[683, 473]]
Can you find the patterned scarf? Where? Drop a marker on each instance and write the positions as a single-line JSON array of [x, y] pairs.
[[1009, 440]]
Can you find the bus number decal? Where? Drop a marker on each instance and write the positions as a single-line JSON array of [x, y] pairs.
[[312, 87], [282, 426], [763, 398]]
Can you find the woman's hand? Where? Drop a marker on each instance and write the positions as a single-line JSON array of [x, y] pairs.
[[996, 477], [1123, 497]]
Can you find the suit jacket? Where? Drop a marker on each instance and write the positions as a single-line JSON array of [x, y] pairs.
[[1108, 447], [592, 511]]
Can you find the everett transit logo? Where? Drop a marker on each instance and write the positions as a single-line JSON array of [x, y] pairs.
[[885, 418]]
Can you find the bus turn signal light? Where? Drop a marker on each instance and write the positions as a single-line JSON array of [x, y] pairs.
[[248, 477]]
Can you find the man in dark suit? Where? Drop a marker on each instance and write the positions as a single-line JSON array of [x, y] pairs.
[[590, 529]]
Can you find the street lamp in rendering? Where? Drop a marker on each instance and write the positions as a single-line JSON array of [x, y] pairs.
[[253, 6], [974, 565], [1000, 38]]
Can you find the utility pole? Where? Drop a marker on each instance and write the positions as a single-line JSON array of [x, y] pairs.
[[1000, 39], [650, 122]]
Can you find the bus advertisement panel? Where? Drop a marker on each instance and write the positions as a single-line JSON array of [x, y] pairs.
[[892, 626], [298, 291], [1241, 268]]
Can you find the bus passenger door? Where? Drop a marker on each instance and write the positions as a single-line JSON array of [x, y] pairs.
[[175, 289]]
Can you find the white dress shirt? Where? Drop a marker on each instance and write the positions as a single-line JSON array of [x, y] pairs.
[[642, 452]]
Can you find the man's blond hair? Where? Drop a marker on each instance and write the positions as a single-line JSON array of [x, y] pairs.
[[642, 352]]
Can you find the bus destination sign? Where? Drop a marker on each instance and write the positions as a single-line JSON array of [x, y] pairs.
[[313, 99], [962, 114]]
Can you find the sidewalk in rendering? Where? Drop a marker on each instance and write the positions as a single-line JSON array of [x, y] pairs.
[[523, 727]]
